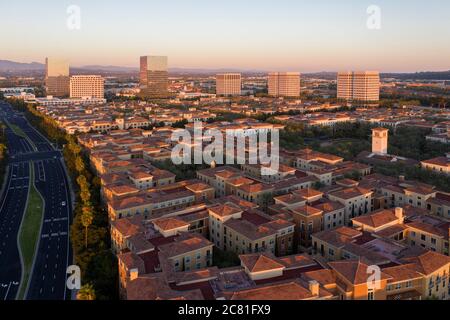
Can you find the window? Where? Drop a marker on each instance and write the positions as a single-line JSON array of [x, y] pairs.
[[423, 237], [370, 295]]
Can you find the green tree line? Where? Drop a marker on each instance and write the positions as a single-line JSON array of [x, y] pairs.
[[90, 236]]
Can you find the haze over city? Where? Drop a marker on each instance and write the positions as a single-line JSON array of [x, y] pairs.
[[289, 35]]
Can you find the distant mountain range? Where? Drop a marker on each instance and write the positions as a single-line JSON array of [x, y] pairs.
[[7, 66]]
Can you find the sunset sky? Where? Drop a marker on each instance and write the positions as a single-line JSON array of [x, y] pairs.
[[283, 35]]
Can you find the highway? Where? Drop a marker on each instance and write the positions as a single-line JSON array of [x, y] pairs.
[[48, 277]]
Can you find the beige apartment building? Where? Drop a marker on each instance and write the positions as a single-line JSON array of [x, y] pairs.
[[228, 84], [284, 84], [357, 201], [87, 86], [57, 82], [154, 76], [358, 86]]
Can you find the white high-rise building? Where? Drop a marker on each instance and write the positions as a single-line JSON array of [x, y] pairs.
[[228, 84], [87, 87], [284, 84], [358, 86]]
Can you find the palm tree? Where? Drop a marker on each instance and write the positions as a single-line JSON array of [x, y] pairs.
[[86, 292], [87, 218]]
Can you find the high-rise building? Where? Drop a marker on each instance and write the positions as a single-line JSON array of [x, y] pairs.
[[87, 87], [284, 84], [380, 140], [154, 76], [359, 86], [228, 84], [57, 82]]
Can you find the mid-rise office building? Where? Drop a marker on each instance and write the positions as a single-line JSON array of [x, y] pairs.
[[284, 84], [87, 86], [154, 76], [57, 82], [359, 86], [228, 84]]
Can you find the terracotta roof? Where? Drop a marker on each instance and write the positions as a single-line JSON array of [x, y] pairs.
[[185, 243], [254, 188], [129, 226], [402, 272], [260, 262], [297, 261], [377, 219], [350, 193], [353, 271], [284, 291], [170, 223], [199, 187], [328, 206], [428, 262], [306, 210], [308, 193], [226, 209], [156, 288], [249, 230]]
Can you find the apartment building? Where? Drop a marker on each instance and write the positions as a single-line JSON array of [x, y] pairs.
[[228, 84], [284, 84], [360, 86], [439, 164], [357, 201], [89, 86]]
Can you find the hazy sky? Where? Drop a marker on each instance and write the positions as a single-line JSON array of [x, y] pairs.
[[297, 35]]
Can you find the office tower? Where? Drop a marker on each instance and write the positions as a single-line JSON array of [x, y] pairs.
[[57, 80], [380, 140], [359, 86], [345, 85], [154, 77], [87, 86], [228, 84], [284, 84]]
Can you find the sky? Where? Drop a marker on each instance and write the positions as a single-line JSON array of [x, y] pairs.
[[271, 35]]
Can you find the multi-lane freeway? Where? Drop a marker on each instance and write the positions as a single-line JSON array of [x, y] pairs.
[[53, 255]]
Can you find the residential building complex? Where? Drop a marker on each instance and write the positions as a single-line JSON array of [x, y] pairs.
[[89, 86], [360, 86], [228, 84], [284, 84]]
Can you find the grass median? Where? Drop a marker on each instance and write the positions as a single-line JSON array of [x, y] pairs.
[[18, 131], [30, 231]]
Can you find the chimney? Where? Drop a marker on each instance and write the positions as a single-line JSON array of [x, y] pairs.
[[401, 178], [314, 287], [134, 274], [399, 214]]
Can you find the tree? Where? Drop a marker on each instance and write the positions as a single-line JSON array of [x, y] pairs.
[[87, 217], [86, 292], [85, 195], [79, 164]]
